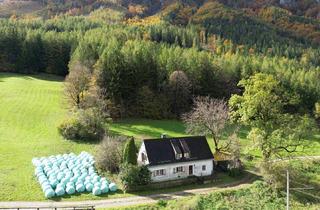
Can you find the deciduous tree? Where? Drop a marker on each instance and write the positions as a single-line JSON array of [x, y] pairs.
[[109, 153], [208, 117], [264, 106], [77, 83], [180, 88]]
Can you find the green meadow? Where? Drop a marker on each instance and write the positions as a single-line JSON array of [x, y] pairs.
[[31, 107]]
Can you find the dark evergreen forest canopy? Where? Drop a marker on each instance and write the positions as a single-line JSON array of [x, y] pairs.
[[136, 58]]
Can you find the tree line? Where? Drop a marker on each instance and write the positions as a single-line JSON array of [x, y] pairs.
[[153, 71]]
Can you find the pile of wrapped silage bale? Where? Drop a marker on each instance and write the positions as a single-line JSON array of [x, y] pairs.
[[68, 174]]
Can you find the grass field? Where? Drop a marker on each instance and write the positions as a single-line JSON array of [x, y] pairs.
[[31, 107]]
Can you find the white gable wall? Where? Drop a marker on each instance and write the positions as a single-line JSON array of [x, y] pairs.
[[142, 150], [169, 173]]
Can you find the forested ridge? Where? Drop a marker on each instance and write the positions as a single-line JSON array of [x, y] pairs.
[[143, 63]]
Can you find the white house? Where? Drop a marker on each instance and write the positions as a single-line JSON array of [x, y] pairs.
[[175, 158]]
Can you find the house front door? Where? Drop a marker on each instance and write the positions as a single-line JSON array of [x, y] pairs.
[[190, 170]]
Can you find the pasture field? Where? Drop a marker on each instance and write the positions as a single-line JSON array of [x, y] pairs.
[[31, 107]]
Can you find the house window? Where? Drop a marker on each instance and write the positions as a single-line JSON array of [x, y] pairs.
[[160, 172], [143, 157], [204, 167], [178, 169], [178, 156]]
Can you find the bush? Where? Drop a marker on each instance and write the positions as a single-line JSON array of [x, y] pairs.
[[109, 153], [235, 168], [258, 196], [301, 171], [162, 203], [83, 125], [132, 175], [234, 172]]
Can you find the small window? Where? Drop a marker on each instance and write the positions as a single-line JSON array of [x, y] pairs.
[[178, 169], [204, 167], [160, 172], [178, 156]]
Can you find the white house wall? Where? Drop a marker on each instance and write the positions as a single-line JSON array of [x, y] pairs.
[[170, 175]]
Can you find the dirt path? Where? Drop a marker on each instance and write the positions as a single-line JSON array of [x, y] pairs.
[[132, 200]]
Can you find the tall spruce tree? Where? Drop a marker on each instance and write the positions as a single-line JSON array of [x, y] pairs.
[[130, 153]]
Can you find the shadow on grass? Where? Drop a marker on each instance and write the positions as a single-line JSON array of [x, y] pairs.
[[40, 76], [87, 142], [77, 194]]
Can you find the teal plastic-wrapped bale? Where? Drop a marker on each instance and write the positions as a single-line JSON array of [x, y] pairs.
[[41, 181], [46, 187], [42, 177], [97, 184], [64, 181], [39, 174], [74, 179], [89, 187], [105, 182], [60, 176], [59, 191], [54, 183], [49, 193], [79, 182], [61, 185], [104, 188], [96, 191], [96, 178], [70, 190], [52, 178], [68, 176], [113, 187], [80, 188]]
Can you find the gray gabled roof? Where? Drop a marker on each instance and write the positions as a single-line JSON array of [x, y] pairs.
[[161, 151]]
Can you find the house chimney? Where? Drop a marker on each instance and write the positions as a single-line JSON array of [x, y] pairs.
[[164, 135]]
